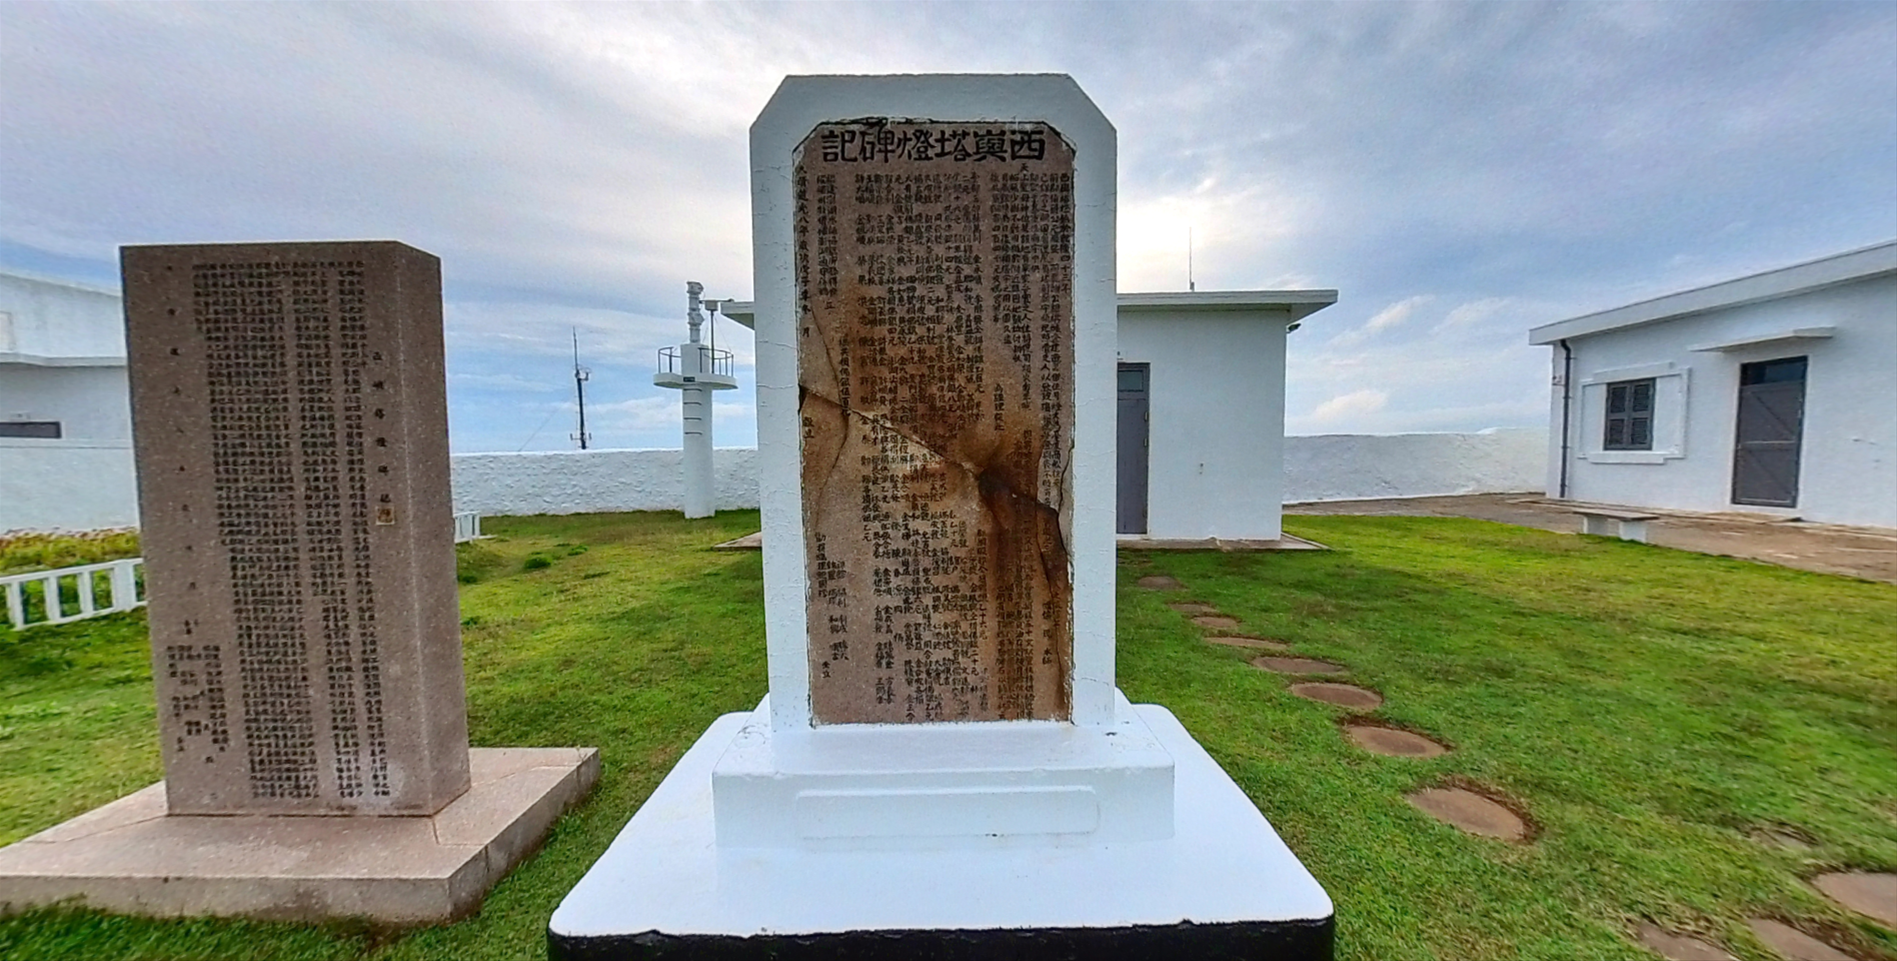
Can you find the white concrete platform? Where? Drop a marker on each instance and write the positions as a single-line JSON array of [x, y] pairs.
[[987, 784], [665, 888], [131, 857]]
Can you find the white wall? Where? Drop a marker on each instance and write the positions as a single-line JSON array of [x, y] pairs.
[[1848, 465], [1331, 467], [581, 482], [72, 485], [90, 403], [42, 318], [1215, 465]]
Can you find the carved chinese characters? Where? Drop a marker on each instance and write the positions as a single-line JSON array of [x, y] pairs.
[[291, 443], [934, 268]]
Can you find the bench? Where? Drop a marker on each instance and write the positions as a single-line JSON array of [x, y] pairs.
[[1626, 525]]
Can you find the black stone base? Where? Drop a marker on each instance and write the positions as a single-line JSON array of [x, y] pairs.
[[1249, 941]]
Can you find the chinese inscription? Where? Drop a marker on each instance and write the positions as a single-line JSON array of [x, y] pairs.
[[934, 268], [285, 352]]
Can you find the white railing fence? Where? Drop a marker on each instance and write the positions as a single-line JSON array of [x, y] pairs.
[[467, 526], [72, 593]]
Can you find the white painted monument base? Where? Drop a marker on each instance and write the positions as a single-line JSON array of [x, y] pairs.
[[943, 785], [1221, 885]]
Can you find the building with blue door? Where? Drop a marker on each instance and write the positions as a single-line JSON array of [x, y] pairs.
[[1774, 393]]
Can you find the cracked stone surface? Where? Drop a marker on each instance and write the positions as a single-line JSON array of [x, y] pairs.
[[936, 402], [1677, 947], [1391, 742], [1872, 895], [1469, 811], [1793, 944], [1342, 695]]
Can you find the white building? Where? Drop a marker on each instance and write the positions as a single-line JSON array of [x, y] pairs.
[[65, 410], [1774, 393], [1201, 410]]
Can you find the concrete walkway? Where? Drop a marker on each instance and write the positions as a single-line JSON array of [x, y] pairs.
[[1869, 553]]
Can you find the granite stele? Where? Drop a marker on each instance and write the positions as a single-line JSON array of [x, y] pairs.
[[943, 766], [290, 426]]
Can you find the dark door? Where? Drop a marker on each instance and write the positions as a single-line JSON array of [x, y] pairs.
[[1771, 426], [1133, 432]]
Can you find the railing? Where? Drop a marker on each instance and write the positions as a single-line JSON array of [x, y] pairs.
[[71, 593], [467, 526], [721, 362]]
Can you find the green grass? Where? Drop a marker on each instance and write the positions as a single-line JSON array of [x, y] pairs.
[[1648, 709]]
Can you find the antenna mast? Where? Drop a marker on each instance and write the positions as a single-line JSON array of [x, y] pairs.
[[580, 377], [1190, 283]]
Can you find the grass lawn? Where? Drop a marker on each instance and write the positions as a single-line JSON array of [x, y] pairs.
[[1651, 711]]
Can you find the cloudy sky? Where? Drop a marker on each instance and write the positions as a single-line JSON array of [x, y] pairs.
[[1458, 172]]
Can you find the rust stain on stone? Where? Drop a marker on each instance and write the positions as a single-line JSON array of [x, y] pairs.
[[934, 274]]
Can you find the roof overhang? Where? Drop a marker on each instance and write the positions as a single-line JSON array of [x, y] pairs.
[[1291, 306], [1860, 264]]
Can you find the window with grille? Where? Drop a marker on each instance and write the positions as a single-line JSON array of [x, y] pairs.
[[1629, 415]]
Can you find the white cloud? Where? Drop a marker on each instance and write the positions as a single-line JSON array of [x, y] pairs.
[[1357, 403], [1472, 313]]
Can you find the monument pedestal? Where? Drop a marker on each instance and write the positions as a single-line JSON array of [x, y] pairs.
[[1220, 885], [130, 856]]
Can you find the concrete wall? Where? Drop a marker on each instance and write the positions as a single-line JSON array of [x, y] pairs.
[[581, 482], [1332, 467], [1848, 466], [59, 321], [72, 485], [1216, 458], [90, 403], [76, 485]]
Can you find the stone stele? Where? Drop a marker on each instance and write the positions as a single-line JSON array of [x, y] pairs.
[[943, 766], [290, 430]]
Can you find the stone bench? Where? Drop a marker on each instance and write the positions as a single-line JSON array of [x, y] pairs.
[[1626, 525]]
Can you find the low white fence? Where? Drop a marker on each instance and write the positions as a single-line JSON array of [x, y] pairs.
[[467, 526], [71, 593], [1343, 467]]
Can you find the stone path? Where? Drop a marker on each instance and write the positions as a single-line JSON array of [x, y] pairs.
[[1677, 947], [1296, 665], [1793, 944], [1873, 895]]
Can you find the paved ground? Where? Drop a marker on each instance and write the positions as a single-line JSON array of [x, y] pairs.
[[1869, 553]]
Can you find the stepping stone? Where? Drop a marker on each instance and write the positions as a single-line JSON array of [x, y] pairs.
[[1161, 582], [1391, 742], [1677, 947], [1793, 944], [1255, 643], [1192, 607], [1342, 695], [1872, 895], [1217, 622], [1296, 665], [1783, 838], [1469, 811]]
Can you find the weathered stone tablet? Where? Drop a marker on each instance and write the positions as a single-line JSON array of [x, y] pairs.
[[291, 436], [935, 271]]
